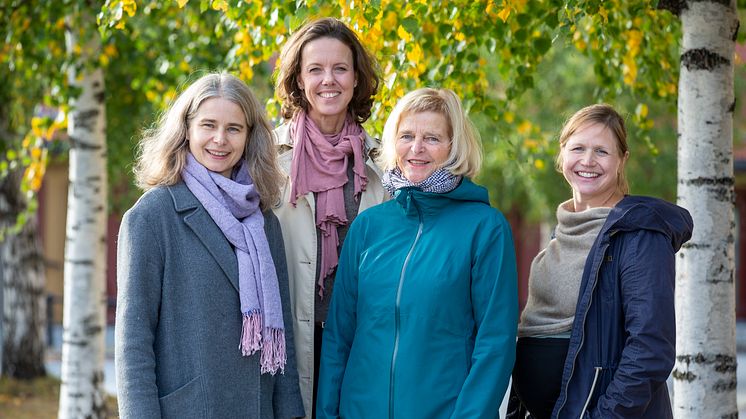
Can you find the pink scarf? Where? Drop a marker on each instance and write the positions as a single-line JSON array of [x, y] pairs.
[[320, 165]]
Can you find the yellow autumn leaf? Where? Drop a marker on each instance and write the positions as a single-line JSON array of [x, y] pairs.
[[129, 7], [181, 3], [110, 50], [36, 153], [604, 14], [390, 20], [220, 5], [503, 14], [247, 73], [509, 117], [403, 34], [629, 70], [490, 9], [524, 127], [344, 5], [119, 25], [415, 54], [37, 125], [539, 164]]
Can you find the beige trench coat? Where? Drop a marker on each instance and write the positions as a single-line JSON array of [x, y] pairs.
[[299, 234]]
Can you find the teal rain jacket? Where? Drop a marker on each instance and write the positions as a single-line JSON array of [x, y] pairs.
[[423, 317]]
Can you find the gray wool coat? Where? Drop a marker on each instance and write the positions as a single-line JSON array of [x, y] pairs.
[[178, 321]]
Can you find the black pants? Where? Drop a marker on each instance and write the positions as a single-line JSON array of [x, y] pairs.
[[537, 375], [317, 335]]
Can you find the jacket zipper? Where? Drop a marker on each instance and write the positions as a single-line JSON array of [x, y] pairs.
[[582, 339], [590, 394], [397, 319]]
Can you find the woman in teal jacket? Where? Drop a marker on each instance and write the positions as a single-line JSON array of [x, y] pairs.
[[424, 311]]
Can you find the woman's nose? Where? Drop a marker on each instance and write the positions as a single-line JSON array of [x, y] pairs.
[[219, 137], [328, 77], [417, 145]]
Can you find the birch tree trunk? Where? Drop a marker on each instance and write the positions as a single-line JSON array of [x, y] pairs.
[[22, 282], [81, 392], [705, 370], [22, 302]]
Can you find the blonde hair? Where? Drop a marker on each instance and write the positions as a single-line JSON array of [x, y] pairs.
[[601, 114], [465, 155], [293, 98], [162, 151]]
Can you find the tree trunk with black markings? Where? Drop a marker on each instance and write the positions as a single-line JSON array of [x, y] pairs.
[[81, 392], [705, 370], [22, 303]]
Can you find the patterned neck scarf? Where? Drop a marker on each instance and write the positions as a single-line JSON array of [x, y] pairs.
[[440, 181], [234, 206]]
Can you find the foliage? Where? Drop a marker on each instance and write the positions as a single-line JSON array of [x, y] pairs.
[[488, 51], [520, 155]]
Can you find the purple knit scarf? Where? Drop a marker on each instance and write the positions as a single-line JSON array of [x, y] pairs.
[[234, 206], [320, 165]]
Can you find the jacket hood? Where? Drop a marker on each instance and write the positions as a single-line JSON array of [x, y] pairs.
[[411, 199], [647, 213]]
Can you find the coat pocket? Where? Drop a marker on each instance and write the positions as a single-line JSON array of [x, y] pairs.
[[185, 402]]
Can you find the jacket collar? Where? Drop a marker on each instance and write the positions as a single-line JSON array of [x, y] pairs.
[[414, 201], [196, 218]]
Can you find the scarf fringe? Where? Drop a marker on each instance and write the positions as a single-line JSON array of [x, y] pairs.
[[272, 344], [274, 355], [251, 333]]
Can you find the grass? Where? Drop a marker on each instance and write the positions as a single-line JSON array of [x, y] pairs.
[[36, 399]]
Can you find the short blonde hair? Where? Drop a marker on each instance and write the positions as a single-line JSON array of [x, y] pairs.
[[161, 154], [465, 155], [605, 115]]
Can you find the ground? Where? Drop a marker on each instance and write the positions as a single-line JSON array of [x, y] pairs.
[[36, 399]]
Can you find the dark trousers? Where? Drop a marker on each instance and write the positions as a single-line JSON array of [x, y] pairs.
[[317, 335], [537, 375]]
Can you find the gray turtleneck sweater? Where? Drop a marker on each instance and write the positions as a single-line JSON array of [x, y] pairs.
[[556, 272]]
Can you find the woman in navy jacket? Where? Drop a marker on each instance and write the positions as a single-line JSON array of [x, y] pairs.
[[619, 335]]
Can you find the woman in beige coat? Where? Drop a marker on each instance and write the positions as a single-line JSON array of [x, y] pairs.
[[326, 82]]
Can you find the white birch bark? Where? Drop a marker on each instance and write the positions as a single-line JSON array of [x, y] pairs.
[[22, 299], [81, 392], [705, 370]]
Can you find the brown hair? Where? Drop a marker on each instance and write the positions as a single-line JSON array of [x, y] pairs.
[[293, 98], [605, 115], [163, 149]]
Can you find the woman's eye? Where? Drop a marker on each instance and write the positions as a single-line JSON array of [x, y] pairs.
[[208, 125], [432, 140], [405, 137], [234, 130], [602, 152], [341, 69]]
